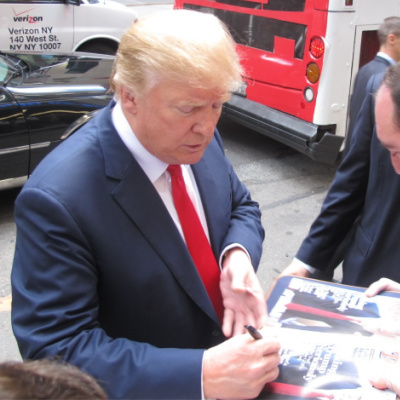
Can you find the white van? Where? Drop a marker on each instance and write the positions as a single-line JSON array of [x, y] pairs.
[[63, 25]]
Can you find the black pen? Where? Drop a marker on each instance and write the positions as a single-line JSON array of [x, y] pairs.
[[255, 333]]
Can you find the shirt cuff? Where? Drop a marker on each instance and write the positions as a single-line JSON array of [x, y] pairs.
[[231, 246], [299, 263]]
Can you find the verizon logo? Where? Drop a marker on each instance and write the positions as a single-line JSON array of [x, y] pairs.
[[26, 18]]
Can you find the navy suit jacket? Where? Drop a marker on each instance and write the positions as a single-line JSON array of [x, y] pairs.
[[375, 66], [101, 275], [365, 191]]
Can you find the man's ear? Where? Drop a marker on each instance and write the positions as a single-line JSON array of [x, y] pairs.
[[128, 100], [391, 38]]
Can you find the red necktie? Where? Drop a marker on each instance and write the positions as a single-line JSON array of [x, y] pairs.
[[196, 239]]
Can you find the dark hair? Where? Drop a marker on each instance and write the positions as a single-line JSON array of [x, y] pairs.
[[390, 25], [46, 379], [392, 81]]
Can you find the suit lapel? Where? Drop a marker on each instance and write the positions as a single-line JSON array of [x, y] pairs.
[[138, 198], [210, 199]]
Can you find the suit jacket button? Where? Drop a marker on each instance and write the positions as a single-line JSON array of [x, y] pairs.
[[216, 333]]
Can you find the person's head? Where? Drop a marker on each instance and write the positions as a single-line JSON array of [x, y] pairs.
[[173, 71], [387, 114], [46, 379], [389, 37]]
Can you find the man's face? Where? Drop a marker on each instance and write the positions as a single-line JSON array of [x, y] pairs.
[[174, 122], [386, 129]]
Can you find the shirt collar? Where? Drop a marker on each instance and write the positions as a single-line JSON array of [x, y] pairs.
[[151, 165], [386, 57]]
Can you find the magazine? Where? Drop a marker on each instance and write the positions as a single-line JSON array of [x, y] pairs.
[[333, 339]]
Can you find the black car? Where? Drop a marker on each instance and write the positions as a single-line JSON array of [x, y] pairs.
[[40, 97]]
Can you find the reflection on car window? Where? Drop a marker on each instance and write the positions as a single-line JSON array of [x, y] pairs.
[[3, 71], [40, 62]]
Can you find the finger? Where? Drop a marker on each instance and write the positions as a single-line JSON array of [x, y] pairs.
[[254, 309], [271, 348], [227, 325], [382, 285], [271, 375], [257, 319], [378, 382], [375, 288], [260, 313], [238, 324]]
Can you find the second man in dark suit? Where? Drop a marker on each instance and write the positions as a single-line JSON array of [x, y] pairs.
[[388, 54], [357, 224]]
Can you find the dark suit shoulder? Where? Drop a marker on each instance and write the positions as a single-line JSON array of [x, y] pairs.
[[374, 82]]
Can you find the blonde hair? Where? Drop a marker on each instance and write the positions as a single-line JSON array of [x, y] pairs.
[[179, 45]]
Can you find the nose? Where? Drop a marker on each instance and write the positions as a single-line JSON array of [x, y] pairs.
[[206, 121]]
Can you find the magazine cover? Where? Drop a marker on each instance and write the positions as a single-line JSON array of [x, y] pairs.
[[333, 339], [312, 305]]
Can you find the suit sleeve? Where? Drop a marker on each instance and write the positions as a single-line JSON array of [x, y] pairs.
[[55, 310], [245, 226], [345, 198]]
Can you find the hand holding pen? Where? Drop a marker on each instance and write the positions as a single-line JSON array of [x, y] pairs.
[[244, 364], [255, 333]]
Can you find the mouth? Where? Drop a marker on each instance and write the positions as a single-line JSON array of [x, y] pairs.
[[194, 147]]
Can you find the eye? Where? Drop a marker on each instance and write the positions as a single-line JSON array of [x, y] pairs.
[[186, 109], [217, 106]]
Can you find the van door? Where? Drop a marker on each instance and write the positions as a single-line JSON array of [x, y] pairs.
[[44, 25]]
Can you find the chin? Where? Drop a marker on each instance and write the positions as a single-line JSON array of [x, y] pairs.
[[192, 158]]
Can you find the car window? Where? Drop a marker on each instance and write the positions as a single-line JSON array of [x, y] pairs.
[[10, 67], [40, 61], [3, 71]]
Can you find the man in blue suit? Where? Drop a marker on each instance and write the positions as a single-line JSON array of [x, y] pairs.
[[388, 54], [365, 191], [350, 228], [388, 130], [102, 276]]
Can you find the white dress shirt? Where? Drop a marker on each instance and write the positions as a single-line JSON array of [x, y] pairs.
[[156, 171]]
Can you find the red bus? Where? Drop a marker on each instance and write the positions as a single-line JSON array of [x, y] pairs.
[[300, 58]]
